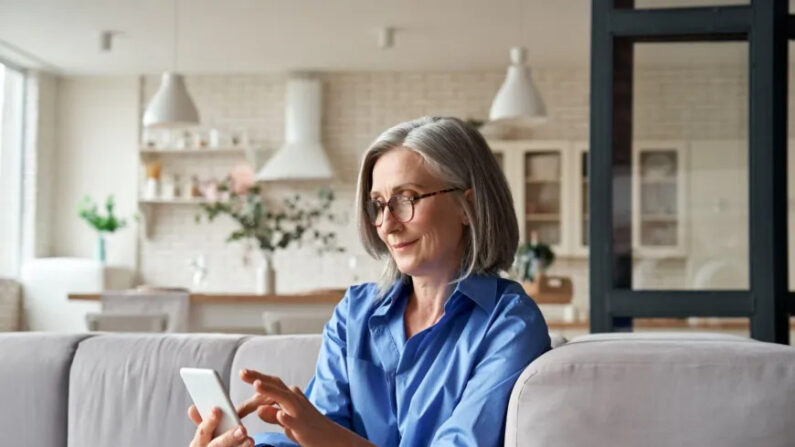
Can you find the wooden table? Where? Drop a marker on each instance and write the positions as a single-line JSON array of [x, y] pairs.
[[326, 296], [241, 312]]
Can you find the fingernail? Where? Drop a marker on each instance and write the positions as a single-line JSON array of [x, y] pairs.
[[239, 432]]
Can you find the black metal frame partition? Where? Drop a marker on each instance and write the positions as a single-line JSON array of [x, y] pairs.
[[616, 26]]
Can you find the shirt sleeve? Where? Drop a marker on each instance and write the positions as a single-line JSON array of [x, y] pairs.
[[329, 388], [517, 337]]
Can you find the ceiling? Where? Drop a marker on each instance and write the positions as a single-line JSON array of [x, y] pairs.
[[239, 36]]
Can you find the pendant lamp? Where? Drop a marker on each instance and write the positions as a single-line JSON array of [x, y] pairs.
[[171, 106], [518, 101]]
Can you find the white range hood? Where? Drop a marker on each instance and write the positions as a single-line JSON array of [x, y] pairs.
[[302, 156]]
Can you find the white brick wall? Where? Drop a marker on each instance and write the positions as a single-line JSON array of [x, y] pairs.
[[670, 103]]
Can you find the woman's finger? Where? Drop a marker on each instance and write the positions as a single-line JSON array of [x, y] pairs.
[[252, 404], [204, 432], [232, 438], [282, 396], [268, 414], [289, 433], [194, 415], [285, 420], [250, 376]]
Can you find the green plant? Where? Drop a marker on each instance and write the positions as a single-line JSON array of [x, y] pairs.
[[108, 223], [532, 258], [274, 228]]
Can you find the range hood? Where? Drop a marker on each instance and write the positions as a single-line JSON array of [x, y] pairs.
[[302, 156]]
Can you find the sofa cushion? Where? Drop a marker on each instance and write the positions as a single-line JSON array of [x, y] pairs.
[[125, 389], [656, 389], [290, 357], [34, 384]]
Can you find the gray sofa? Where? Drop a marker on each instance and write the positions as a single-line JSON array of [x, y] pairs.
[[121, 390]]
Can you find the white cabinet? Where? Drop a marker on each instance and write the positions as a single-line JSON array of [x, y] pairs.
[[659, 195], [549, 181], [539, 177]]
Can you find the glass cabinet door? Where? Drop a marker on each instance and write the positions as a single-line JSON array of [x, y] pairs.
[[580, 203], [659, 195], [543, 196]]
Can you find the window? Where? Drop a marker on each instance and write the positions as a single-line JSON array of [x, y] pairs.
[[12, 93]]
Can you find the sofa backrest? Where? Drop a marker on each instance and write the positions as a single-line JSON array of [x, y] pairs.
[[290, 357], [656, 389], [34, 385], [125, 389]]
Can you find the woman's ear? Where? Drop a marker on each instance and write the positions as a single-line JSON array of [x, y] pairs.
[[468, 197]]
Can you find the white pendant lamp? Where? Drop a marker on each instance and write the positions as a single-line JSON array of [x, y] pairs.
[[171, 106], [518, 101], [302, 156]]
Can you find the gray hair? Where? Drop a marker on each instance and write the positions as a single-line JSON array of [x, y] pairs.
[[458, 155]]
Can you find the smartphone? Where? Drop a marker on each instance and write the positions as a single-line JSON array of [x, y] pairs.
[[207, 391]]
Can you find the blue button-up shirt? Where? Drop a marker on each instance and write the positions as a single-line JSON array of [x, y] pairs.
[[447, 385]]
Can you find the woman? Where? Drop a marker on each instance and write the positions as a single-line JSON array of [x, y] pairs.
[[430, 354]]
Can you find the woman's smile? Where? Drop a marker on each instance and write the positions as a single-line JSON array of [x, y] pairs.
[[403, 245]]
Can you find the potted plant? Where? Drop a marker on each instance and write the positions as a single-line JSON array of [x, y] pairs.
[[533, 259], [109, 223], [272, 227]]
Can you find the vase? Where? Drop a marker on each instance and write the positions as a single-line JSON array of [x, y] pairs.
[[99, 254], [266, 275]]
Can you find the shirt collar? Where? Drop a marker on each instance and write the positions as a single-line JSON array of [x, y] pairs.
[[482, 289], [392, 296]]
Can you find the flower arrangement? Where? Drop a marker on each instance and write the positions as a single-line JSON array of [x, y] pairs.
[[88, 210], [109, 223], [272, 228]]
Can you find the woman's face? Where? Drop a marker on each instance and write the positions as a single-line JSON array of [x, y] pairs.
[[431, 242]]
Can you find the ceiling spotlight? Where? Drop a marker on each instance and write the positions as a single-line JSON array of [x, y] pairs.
[[106, 40], [386, 37]]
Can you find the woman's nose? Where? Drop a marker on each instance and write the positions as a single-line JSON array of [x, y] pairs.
[[389, 222]]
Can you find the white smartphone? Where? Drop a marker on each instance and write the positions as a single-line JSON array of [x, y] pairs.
[[207, 391]]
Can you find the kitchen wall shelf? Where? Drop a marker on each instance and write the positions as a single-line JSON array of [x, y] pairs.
[[176, 201], [195, 151]]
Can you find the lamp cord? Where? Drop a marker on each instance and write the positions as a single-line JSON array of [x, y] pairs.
[[521, 23], [176, 36]]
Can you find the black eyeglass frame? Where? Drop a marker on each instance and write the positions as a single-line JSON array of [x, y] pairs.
[[392, 204]]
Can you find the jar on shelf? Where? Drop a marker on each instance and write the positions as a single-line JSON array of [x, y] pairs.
[[168, 189]]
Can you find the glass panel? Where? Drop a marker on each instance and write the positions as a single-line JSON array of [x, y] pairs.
[[658, 192], [584, 194], [689, 174], [543, 196], [791, 169], [653, 4]]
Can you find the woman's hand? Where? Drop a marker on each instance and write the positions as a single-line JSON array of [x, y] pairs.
[[236, 437], [276, 403]]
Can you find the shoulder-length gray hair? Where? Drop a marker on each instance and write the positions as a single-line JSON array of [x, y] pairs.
[[458, 155]]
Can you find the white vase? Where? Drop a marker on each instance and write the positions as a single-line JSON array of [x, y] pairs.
[[266, 275]]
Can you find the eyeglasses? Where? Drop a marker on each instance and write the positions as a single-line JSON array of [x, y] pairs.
[[401, 207]]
